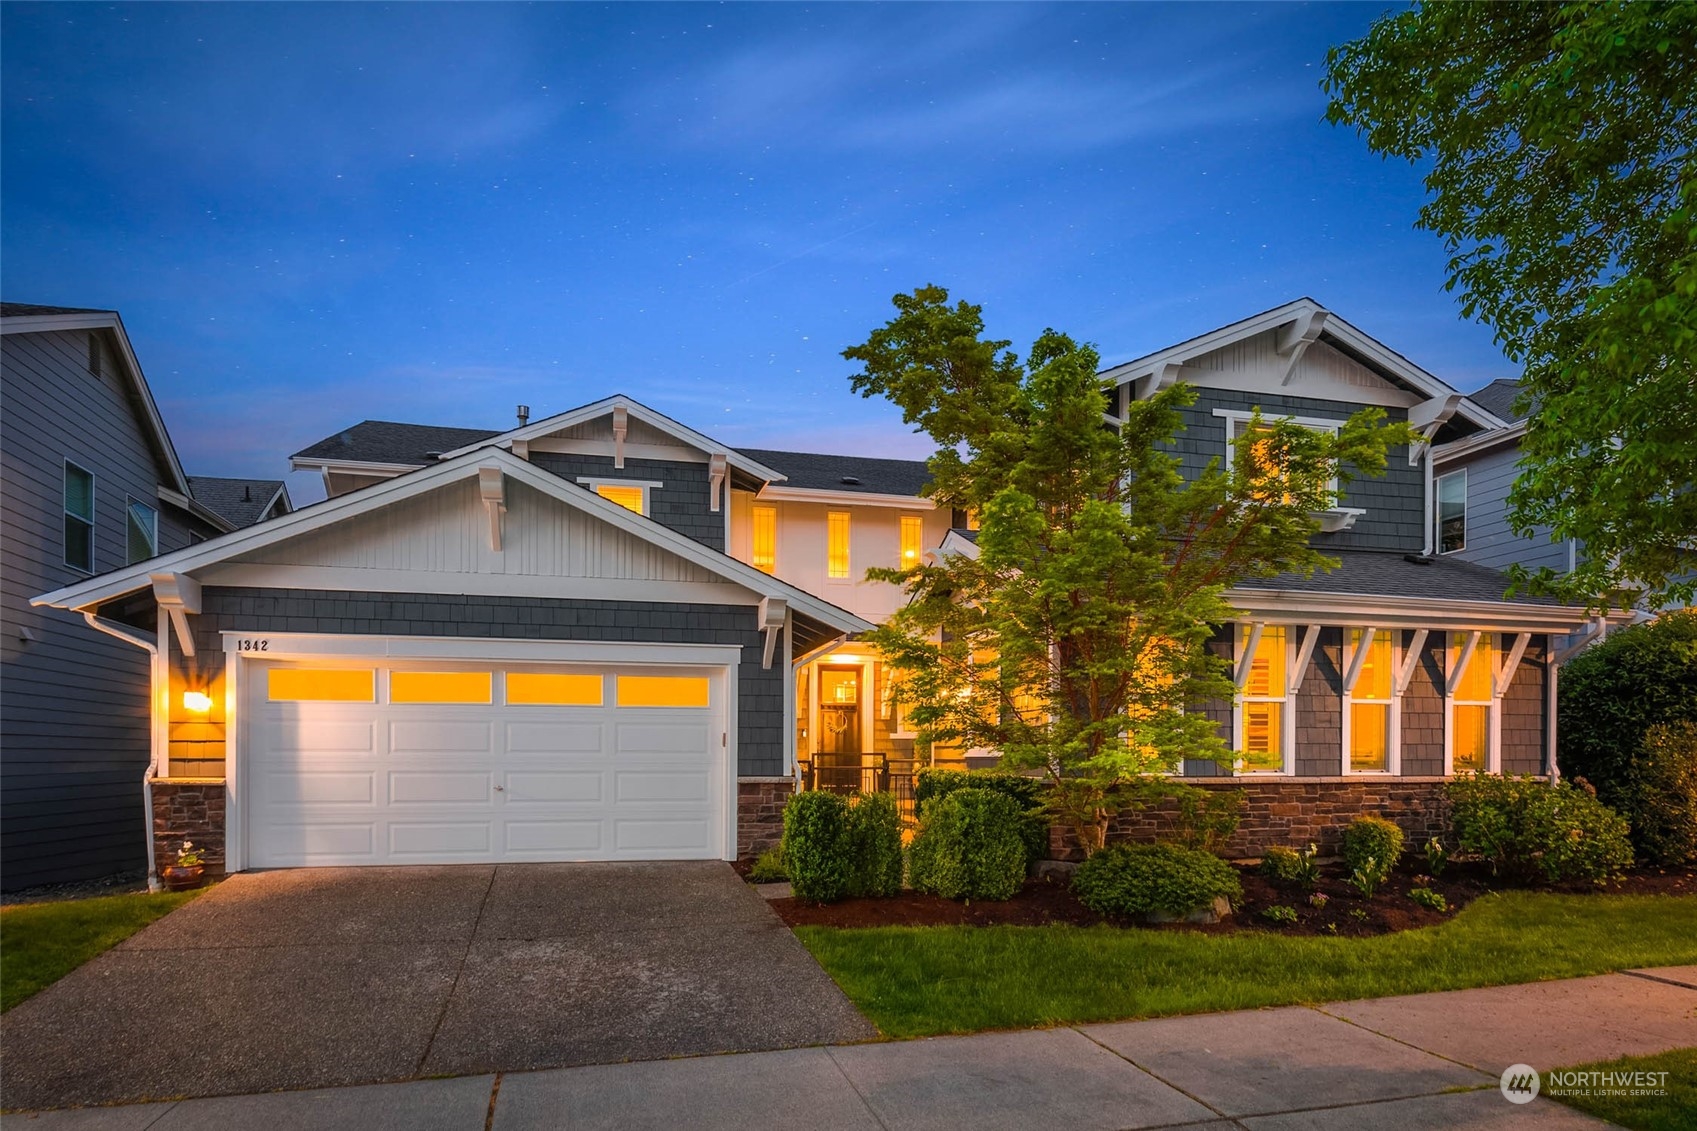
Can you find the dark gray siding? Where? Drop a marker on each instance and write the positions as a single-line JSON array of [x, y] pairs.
[[1319, 710], [1523, 724], [1220, 711], [1395, 502], [73, 702], [760, 691], [682, 504], [1490, 542], [1423, 711]]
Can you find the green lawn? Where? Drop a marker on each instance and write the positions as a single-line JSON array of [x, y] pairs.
[[1676, 1111], [919, 981], [42, 942]]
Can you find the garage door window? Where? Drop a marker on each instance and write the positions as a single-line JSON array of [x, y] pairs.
[[322, 685], [440, 687], [662, 691], [553, 690]]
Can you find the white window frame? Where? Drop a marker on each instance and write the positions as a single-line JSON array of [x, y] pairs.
[[1438, 510], [1393, 745], [91, 520], [1236, 417], [130, 505], [648, 487], [1493, 716], [1287, 717]]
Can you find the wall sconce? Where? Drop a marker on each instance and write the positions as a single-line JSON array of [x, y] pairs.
[[197, 701]]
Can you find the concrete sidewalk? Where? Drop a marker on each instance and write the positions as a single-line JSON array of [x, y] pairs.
[[1424, 1061]]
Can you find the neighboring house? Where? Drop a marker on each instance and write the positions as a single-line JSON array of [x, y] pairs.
[[604, 635], [241, 502], [90, 484]]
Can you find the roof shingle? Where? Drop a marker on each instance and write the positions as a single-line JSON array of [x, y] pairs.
[[241, 501], [386, 441], [1376, 573], [871, 476]]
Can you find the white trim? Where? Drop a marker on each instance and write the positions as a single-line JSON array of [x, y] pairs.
[[1411, 661], [561, 445], [1345, 609], [833, 498], [789, 699], [235, 742], [351, 466], [1478, 442], [1455, 668], [1393, 705], [130, 503], [1318, 423], [730, 711], [200, 510], [1246, 655], [1505, 668], [594, 483], [308, 645], [1438, 509], [1287, 712], [1304, 656], [358, 580]]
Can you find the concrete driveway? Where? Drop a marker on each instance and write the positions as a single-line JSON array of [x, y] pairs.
[[318, 977]]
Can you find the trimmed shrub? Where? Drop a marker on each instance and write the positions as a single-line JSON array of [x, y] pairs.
[[768, 868], [1663, 808], [1375, 839], [875, 845], [1429, 899], [815, 847], [1612, 695], [1027, 793], [1288, 866], [1530, 829], [1135, 879], [969, 846], [1206, 818]]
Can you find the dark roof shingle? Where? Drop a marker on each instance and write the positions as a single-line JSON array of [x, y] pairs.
[[1376, 573], [1497, 398], [27, 309], [827, 472], [385, 441], [241, 501]]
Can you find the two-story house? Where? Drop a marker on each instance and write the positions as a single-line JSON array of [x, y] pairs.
[[605, 635], [89, 483]]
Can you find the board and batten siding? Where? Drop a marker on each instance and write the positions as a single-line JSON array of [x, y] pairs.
[[1490, 542], [74, 731]]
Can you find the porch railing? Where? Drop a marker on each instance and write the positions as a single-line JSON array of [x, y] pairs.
[[865, 772]]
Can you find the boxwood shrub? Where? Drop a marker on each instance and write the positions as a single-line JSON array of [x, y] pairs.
[[1529, 829], [1028, 793], [874, 845], [1135, 879], [969, 846], [815, 848], [1372, 838]]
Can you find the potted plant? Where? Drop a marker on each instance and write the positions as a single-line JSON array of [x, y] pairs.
[[186, 873]]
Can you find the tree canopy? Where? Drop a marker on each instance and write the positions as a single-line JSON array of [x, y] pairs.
[[1075, 641], [1557, 139]]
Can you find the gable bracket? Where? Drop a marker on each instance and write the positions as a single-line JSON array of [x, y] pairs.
[[1461, 663], [1304, 653], [178, 595], [1508, 665], [1246, 661], [1294, 338], [492, 489], [621, 425], [715, 480], [1411, 660], [774, 614]]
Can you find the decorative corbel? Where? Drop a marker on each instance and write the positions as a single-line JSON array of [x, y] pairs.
[[715, 480], [1411, 660], [492, 489], [1247, 661], [621, 425], [521, 448], [1294, 338], [1304, 654], [1426, 418], [1461, 662], [774, 613], [179, 595], [1503, 675]]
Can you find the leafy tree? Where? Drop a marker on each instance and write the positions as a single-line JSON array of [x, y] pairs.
[[1076, 638], [1558, 143]]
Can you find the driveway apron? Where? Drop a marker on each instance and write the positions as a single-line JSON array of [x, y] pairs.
[[320, 977]]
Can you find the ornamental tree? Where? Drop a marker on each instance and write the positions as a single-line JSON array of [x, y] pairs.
[[1558, 144], [1075, 639]]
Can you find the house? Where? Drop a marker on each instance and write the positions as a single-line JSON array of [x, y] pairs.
[[605, 635], [90, 484], [241, 502]]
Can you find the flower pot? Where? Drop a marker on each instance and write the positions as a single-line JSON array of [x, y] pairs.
[[183, 879]]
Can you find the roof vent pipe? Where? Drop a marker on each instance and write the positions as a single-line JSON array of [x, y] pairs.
[[524, 415]]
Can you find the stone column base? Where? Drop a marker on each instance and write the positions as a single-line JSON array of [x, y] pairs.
[[189, 809], [760, 814]]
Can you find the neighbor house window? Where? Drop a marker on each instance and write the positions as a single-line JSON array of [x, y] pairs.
[[1452, 512], [763, 538], [143, 532], [837, 544], [1262, 703], [913, 540], [1471, 705], [1371, 737], [79, 518]]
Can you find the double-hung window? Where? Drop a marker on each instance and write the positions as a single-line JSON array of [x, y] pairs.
[[913, 540], [1268, 475], [1451, 512], [763, 538], [1369, 714], [79, 518], [837, 545], [143, 538], [1263, 704], [1471, 703]]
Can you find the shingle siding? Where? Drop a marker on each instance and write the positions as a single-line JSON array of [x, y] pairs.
[[1524, 724], [1319, 710], [1423, 712], [683, 504], [760, 691]]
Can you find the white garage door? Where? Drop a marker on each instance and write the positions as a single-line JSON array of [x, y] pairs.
[[417, 763]]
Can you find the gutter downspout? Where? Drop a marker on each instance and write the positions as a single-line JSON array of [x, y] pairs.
[[1429, 539], [128, 636]]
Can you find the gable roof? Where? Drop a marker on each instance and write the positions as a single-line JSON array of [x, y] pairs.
[[28, 318], [389, 442], [96, 590], [241, 501], [1498, 398], [874, 476]]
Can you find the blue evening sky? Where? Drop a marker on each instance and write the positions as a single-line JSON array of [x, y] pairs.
[[312, 215]]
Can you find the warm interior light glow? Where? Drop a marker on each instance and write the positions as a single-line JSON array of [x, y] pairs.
[[662, 691], [913, 538], [197, 701], [763, 552], [302, 685], [554, 689], [628, 497], [836, 544], [439, 687]]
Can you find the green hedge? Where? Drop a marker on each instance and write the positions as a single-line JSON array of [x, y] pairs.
[[1135, 879], [834, 847], [875, 845], [1663, 804], [1027, 793], [1530, 829], [970, 846]]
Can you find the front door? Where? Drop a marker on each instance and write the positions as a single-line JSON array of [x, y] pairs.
[[839, 710]]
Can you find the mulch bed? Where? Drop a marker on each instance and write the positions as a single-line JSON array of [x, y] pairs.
[[1045, 901]]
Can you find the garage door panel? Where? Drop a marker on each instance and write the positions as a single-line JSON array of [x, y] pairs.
[[441, 736], [542, 787], [546, 840], [434, 839], [689, 738], [320, 787], [319, 736], [660, 785], [659, 838], [433, 787], [323, 842], [556, 738]]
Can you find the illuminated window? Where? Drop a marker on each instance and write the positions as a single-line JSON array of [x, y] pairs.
[[1471, 705], [554, 689], [1267, 468], [1262, 702], [439, 687], [1452, 512], [79, 518], [631, 498], [1370, 703], [972, 519], [837, 544], [321, 685], [913, 539], [662, 691], [763, 538]]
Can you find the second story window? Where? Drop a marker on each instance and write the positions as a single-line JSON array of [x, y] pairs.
[[763, 538], [632, 494], [1451, 513], [143, 532], [913, 540], [837, 545], [79, 518]]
